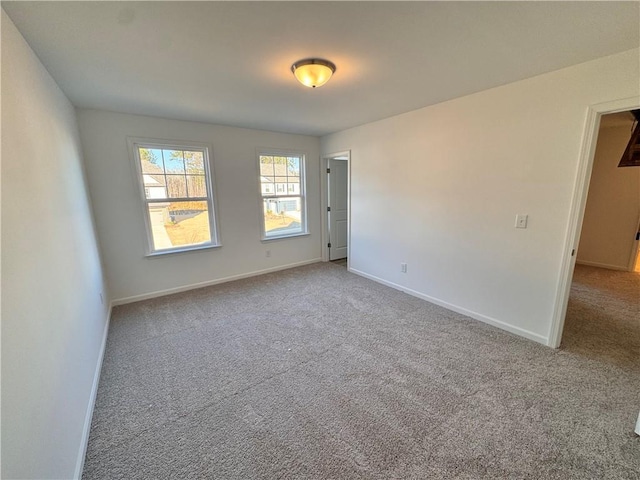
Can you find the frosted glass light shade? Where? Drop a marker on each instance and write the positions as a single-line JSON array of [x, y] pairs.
[[313, 72]]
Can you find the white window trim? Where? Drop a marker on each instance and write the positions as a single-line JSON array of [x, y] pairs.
[[136, 142], [303, 192]]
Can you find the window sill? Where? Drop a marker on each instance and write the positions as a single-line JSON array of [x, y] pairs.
[[284, 237], [162, 253]]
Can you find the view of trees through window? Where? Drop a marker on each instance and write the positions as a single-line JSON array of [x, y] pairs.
[[175, 186], [179, 202]]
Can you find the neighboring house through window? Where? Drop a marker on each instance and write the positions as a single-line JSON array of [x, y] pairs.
[[282, 183], [176, 183]]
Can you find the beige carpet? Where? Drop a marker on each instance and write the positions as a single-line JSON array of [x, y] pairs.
[[317, 373], [603, 317]]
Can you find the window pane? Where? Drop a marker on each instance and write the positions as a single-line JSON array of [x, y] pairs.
[[267, 185], [281, 179], [282, 216], [294, 166], [154, 186], [151, 160], [176, 186], [196, 185], [179, 224], [266, 166], [280, 169], [194, 162], [173, 161]]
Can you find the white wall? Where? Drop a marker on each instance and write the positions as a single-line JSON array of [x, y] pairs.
[[119, 211], [613, 204], [53, 322], [439, 188]]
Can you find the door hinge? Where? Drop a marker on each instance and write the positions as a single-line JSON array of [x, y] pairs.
[[328, 209], [328, 170], [573, 252], [329, 244]]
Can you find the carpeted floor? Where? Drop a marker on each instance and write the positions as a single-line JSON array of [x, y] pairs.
[[317, 373]]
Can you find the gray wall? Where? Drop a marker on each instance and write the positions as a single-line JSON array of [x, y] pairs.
[[439, 188], [119, 212], [53, 321]]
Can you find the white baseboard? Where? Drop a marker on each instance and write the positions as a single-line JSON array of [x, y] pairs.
[[92, 400], [602, 265], [469, 313], [208, 283]]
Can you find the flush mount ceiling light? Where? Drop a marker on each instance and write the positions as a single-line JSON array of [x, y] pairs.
[[313, 72]]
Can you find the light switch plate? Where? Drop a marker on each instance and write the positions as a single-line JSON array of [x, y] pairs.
[[521, 221]]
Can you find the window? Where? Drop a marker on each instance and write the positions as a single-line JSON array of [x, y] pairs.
[[175, 182], [282, 188]]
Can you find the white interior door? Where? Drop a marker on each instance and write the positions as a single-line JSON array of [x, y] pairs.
[[338, 224]]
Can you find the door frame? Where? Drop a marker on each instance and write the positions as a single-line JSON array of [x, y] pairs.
[[635, 252], [578, 204], [324, 202]]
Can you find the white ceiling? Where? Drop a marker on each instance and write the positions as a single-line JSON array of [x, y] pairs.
[[229, 62]]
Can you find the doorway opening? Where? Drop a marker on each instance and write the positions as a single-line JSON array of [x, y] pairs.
[[601, 320], [577, 217], [336, 218], [608, 237]]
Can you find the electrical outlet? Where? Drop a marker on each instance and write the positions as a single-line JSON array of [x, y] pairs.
[[267, 253], [403, 267]]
